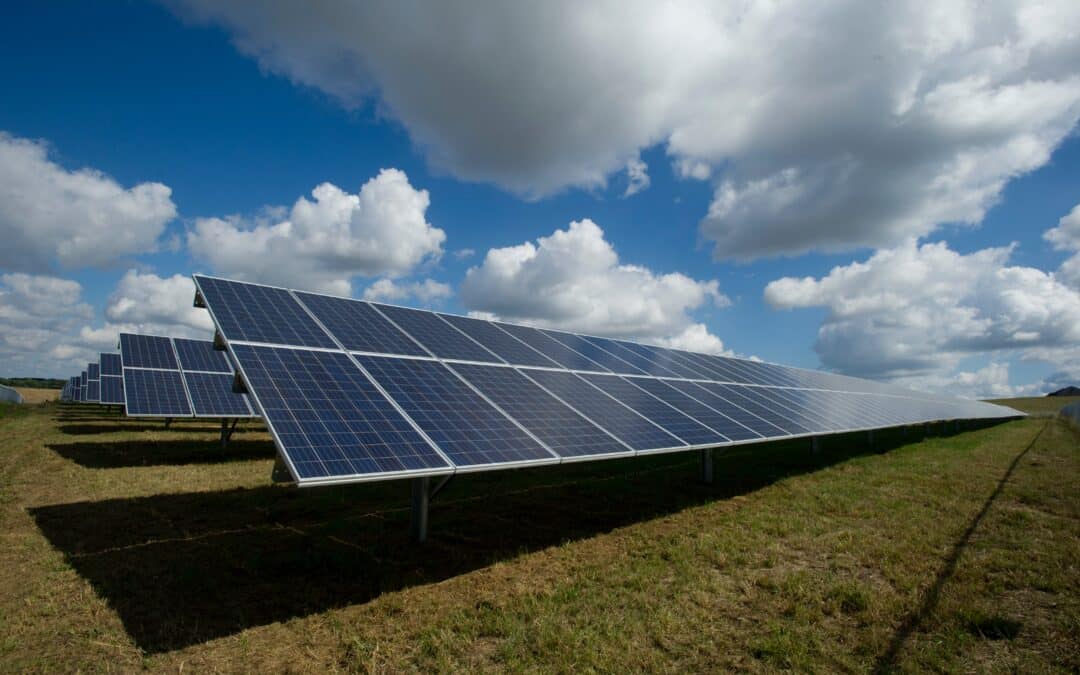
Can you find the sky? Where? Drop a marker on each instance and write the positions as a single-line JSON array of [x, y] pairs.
[[890, 192]]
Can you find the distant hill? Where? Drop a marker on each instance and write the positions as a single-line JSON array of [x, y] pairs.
[[1067, 391], [33, 382]]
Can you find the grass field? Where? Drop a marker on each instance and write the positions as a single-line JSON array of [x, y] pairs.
[[127, 546]]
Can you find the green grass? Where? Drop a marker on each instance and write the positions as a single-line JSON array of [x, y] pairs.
[[1038, 405], [127, 546]]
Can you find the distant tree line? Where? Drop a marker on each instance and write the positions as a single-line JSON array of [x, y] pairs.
[[33, 382]]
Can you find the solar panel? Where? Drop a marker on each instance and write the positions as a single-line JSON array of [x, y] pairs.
[[744, 398], [147, 351], [437, 336], [155, 393], [687, 405], [688, 429], [330, 420], [553, 422], [551, 348], [93, 371], [200, 355], [625, 424], [594, 353], [254, 313], [499, 342], [82, 379], [112, 390], [467, 428], [212, 395], [359, 327], [645, 358], [744, 417], [111, 365], [93, 391]]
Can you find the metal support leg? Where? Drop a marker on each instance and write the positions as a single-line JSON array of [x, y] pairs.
[[903, 432], [420, 509], [168, 421], [815, 446], [706, 466], [226, 430], [870, 438]]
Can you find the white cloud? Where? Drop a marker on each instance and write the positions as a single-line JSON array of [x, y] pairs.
[[464, 253], [322, 244], [1066, 237], [426, 291], [573, 280], [145, 299], [80, 218], [36, 314], [826, 124], [916, 311], [696, 338], [637, 175], [991, 381]]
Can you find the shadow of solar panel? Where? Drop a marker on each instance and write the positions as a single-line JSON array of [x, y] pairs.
[[358, 326], [112, 390], [155, 393], [201, 355], [466, 428], [437, 336], [110, 365], [253, 313], [688, 429], [329, 419], [147, 351], [622, 422], [212, 395], [559, 427]]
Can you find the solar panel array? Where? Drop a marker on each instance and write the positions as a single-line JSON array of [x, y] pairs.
[[353, 390], [112, 379], [93, 383], [177, 377]]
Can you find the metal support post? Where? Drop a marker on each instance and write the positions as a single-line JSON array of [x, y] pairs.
[[226, 430], [815, 445], [870, 438], [420, 509], [168, 421], [706, 466]]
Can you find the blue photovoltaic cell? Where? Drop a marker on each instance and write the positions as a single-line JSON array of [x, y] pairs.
[[464, 426], [358, 326], [647, 365], [439, 337], [630, 427], [729, 408], [689, 430], [93, 390], [93, 371], [553, 349], [738, 395], [110, 365], [329, 418], [112, 390], [560, 428], [594, 353], [201, 355], [147, 351], [76, 393], [663, 361], [155, 393], [702, 413], [254, 313], [796, 420], [82, 379], [500, 342], [212, 395]]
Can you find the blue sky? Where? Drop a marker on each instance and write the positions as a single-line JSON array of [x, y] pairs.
[[237, 114]]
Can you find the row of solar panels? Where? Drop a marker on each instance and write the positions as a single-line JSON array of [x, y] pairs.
[[156, 376], [352, 390]]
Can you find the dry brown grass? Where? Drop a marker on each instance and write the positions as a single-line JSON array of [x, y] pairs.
[[127, 546], [35, 396]]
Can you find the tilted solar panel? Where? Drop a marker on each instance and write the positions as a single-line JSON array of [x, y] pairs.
[[111, 365], [155, 393], [147, 351], [594, 353], [714, 419], [112, 390], [437, 336], [551, 348], [93, 371], [200, 355], [499, 342], [254, 313], [212, 395], [359, 327], [93, 391]]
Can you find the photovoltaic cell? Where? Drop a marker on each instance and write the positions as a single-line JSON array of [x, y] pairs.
[[695, 409], [553, 349], [499, 342], [82, 379], [464, 426], [147, 351], [594, 353], [253, 313], [560, 428], [639, 361], [93, 391], [93, 371], [665, 359], [212, 395], [329, 418], [743, 397], [201, 355], [155, 393], [630, 427], [689, 430], [439, 337], [112, 390], [110, 365], [358, 326], [721, 404]]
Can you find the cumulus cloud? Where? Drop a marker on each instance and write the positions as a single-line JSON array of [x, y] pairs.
[[145, 299], [1066, 237], [37, 313], [825, 124], [637, 174], [991, 381], [915, 311], [426, 291], [321, 244], [573, 280], [79, 218]]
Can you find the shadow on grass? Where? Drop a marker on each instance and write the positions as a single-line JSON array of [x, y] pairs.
[[181, 569], [113, 427], [113, 455]]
